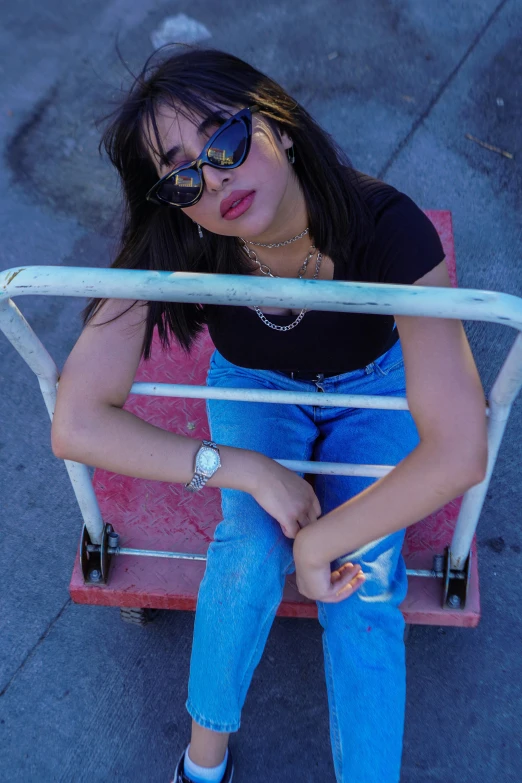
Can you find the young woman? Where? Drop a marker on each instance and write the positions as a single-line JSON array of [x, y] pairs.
[[223, 172]]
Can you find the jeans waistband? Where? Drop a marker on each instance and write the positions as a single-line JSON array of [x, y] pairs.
[[308, 376]]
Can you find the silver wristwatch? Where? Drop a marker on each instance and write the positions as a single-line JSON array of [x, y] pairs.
[[207, 462]]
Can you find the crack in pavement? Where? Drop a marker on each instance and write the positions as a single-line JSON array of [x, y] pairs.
[[33, 649], [15, 158], [418, 122]]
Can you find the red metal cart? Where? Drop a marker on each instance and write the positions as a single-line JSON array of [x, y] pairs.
[[143, 545]]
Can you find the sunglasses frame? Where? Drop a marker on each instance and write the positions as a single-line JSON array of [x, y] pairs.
[[245, 116]]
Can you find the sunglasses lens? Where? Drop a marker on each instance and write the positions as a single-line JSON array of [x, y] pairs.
[[182, 188], [230, 146]]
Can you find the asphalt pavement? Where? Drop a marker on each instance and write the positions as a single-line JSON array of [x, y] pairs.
[[84, 697]]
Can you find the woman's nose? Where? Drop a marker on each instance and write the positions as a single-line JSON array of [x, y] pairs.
[[215, 179]]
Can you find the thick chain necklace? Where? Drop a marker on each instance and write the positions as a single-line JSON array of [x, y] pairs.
[[265, 269]]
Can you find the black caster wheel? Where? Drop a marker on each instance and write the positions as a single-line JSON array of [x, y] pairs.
[[138, 616]]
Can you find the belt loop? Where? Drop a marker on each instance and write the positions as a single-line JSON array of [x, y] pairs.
[[319, 378]]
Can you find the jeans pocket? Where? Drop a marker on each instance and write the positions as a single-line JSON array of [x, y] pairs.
[[391, 361], [386, 369]]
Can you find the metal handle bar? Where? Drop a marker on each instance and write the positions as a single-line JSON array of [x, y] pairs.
[[377, 298]]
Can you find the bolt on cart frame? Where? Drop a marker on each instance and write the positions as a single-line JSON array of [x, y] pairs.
[[100, 542]]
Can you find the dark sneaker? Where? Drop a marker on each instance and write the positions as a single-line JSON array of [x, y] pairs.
[[180, 776]]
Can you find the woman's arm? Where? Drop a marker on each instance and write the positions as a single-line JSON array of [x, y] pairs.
[[447, 402], [114, 439], [420, 484], [90, 426]]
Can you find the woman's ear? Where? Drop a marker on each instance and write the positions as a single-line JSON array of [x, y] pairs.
[[282, 136], [286, 141]]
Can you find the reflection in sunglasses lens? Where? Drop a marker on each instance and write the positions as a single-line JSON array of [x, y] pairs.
[[229, 146], [182, 188]]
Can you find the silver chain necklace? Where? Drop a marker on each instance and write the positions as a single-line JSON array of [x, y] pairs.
[[265, 269], [278, 244]]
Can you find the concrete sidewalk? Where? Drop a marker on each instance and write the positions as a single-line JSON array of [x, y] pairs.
[[84, 697]]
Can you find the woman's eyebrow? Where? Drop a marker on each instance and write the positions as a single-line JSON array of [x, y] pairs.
[[208, 123]]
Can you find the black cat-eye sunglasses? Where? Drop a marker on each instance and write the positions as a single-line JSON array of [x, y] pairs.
[[226, 149]]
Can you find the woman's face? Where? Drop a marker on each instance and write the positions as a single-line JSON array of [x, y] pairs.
[[266, 171]]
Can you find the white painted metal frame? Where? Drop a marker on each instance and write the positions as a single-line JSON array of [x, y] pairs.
[[463, 304]]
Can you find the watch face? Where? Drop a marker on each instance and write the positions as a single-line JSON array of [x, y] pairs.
[[207, 461]]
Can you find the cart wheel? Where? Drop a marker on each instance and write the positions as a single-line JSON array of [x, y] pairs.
[[407, 629], [137, 616]]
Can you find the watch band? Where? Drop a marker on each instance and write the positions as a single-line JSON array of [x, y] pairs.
[[199, 480]]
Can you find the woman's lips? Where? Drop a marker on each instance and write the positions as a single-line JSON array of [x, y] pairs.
[[241, 208]]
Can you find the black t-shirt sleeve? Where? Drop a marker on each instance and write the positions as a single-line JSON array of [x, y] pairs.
[[407, 244]]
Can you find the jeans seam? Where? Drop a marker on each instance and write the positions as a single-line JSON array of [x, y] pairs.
[[334, 719], [272, 609]]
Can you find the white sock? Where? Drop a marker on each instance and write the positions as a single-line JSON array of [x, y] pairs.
[[204, 774]]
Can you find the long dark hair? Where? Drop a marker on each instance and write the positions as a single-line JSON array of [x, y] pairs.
[[162, 238]]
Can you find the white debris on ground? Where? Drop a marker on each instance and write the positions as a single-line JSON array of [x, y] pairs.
[[179, 29]]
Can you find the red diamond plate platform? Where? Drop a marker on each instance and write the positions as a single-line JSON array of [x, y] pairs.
[[159, 515]]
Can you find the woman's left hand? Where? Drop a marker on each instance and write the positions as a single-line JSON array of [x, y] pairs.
[[319, 583]]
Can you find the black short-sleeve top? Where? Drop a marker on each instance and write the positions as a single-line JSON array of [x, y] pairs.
[[405, 246]]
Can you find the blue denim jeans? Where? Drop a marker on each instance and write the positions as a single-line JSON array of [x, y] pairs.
[[249, 558]]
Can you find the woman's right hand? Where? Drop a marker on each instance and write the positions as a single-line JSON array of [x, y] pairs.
[[286, 496]]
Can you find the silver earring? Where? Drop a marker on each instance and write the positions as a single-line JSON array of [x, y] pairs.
[[291, 154]]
